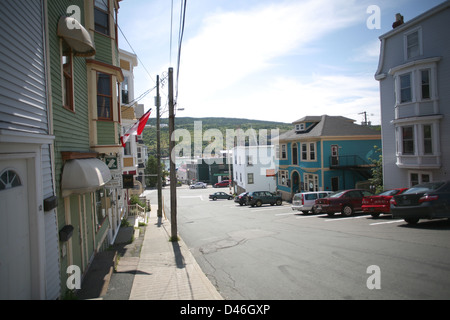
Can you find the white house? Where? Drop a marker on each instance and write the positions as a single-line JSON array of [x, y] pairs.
[[29, 246], [254, 168], [414, 75]]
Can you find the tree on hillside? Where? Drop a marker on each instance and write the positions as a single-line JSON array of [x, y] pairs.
[[151, 168]]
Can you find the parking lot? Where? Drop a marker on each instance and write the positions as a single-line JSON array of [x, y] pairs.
[[272, 252]]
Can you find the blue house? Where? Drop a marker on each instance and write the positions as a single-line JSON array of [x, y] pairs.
[[325, 153]]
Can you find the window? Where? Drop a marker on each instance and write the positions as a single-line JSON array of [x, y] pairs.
[[308, 151], [312, 152], [250, 178], [104, 96], [427, 139], [102, 198], [101, 16], [249, 160], [425, 84], [125, 97], [412, 45], [405, 88], [408, 140], [419, 177], [304, 152], [283, 152], [294, 154], [282, 177], [67, 83], [300, 127], [9, 179]]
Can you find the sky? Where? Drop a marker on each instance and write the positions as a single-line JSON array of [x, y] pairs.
[[277, 60]]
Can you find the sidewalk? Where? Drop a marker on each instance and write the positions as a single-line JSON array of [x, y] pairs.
[[167, 270]]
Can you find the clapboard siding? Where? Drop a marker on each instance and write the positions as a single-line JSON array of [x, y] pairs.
[[23, 99], [71, 129]]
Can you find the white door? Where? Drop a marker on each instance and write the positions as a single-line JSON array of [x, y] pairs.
[[15, 266]]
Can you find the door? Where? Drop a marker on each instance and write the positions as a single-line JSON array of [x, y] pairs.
[[15, 254]]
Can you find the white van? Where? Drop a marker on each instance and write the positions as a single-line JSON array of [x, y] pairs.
[[304, 201]]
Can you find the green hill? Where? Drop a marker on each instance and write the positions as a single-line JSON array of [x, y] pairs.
[[187, 123]]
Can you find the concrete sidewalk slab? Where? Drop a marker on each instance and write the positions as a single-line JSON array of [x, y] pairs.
[[167, 270]]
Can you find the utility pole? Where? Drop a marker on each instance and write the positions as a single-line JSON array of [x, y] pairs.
[[158, 148], [173, 174]]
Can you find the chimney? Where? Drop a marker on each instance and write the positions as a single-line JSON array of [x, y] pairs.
[[398, 21]]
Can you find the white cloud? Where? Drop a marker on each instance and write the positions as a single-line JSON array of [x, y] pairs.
[[234, 45]]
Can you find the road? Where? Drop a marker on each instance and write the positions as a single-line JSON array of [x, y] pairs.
[[275, 253]]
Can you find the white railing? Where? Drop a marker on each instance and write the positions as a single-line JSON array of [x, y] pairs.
[[139, 212]]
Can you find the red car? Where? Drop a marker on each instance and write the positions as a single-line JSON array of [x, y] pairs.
[[346, 202], [378, 204], [224, 183]]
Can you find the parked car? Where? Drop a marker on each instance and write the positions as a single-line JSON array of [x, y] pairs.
[[423, 201], [304, 201], [220, 195], [241, 198], [378, 204], [346, 202], [198, 185], [223, 183], [258, 198]]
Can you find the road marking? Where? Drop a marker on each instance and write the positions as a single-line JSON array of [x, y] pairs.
[[286, 213], [268, 209], [340, 219], [386, 222], [313, 216], [190, 197]]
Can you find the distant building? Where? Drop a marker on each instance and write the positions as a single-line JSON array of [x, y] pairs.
[[254, 168], [324, 153], [414, 76]]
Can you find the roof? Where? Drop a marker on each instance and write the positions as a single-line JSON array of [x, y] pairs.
[[329, 126]]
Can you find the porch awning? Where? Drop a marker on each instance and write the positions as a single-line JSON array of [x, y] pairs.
[[84, 175], [76, 36]]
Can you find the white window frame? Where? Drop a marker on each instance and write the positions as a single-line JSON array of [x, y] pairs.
[[310, 150], [419, 39], [281, 174], [420, 175]]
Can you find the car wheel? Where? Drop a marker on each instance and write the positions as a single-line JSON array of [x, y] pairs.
[[258, 203], [278, 203], [214, 198], [229, 198], [347, 211], [375, 214], [412, 220]]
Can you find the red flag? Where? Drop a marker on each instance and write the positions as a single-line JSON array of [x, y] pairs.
[[136, 129]]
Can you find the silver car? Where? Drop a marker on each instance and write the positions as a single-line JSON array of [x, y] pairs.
[[198, 185], [304, 201]]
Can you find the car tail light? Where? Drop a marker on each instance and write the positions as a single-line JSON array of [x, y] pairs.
[[393, 202], [428, 198], [303, 200]]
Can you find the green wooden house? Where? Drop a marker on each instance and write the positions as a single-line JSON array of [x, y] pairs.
[[84, 81]]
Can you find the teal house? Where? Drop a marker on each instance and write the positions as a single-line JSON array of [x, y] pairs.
[[327, 153]]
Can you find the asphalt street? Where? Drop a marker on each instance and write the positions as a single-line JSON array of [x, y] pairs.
[[274, 253]]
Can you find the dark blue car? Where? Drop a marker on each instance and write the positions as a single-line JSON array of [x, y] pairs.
[[429, 200]]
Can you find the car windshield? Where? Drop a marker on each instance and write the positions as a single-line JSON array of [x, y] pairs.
[[336, 194], [425, 187], [389, 193]]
